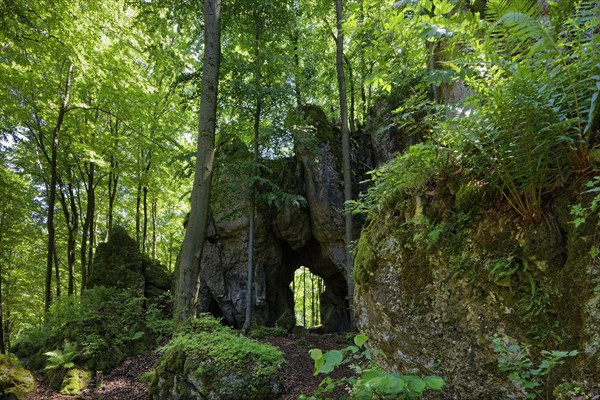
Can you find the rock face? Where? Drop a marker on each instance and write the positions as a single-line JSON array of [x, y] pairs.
[[15, 381], [437, 277], [305, 228], [119, 264]]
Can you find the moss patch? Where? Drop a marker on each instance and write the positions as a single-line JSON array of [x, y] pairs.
[[75, 381], [208, 360], [15, 381]]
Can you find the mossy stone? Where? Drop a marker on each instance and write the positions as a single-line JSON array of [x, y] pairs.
[[75, 381], [15, 381]]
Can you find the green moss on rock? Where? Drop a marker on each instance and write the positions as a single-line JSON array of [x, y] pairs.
[[15, 381], [207, 360], [75, 381]]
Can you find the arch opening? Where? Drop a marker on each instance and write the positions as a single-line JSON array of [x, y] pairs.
[[308, 289]]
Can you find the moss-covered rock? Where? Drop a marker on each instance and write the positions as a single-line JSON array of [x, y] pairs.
[[120, 264], [432, 290], [15, 381], [209, 361], [75, 381]]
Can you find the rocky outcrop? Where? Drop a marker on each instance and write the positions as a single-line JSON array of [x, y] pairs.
[[209, 361], [438, 276], [303, 226], [119, 264]]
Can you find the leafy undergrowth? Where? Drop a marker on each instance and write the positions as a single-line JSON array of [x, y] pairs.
[[297, 372]]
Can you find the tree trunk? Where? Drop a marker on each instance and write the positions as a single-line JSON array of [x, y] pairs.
[[52, 194], [154, 211], [352, 100], [145, 222], [2, 344], [188, 279], [257, 113], [69, 207], [89, 216], [346, 156]]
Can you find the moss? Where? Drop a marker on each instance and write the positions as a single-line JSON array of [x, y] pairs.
[[15, 381], [206, 359], [75, 381]]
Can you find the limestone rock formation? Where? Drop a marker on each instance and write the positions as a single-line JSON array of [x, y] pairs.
[[305, 231], [433, 302], [120, 264]]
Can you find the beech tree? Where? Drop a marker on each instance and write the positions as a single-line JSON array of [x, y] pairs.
[[191, 253]]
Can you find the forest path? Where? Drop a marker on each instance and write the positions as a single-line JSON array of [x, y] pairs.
[[297, 374]]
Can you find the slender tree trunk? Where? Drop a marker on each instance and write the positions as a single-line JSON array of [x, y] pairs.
[[69, 207], [145, 222], [346, 156], [154, 211], [71, 245], [113, 179], [304, 298], [297, 72], [138, 206], [188, 279], [52, 194], [257, 114], [92, 236], [312, 301], [2, 344], [57, 272], [89, 216], [352, 100]]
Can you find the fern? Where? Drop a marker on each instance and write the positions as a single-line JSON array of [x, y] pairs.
[[571, 56], [61, 358]]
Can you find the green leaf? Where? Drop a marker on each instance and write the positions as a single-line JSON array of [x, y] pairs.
[[434, 382], [315, 354], [360, 339]]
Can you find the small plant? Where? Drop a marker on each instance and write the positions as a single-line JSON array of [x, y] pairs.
[[585, 212], [61, 359], [370, 382], [515, 359]]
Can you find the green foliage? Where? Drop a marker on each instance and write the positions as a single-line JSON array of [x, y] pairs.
[[104, 325], [515, 359], [206, 337], [159, 322], [370, 381], [407, 174], [265, 331], [61, 358], [590, 211]]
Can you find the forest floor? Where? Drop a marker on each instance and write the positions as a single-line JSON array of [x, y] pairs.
[[297, 373]]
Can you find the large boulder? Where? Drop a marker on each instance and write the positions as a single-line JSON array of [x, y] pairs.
[[120, 264], [15, 381], [434, 284], [209, 361]]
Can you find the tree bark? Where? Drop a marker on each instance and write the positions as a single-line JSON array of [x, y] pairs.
[[89, 216], [188, 279], [52, 194], [257, 114], [346, 156], [154, 211], [69, 207]]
